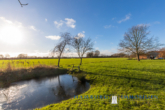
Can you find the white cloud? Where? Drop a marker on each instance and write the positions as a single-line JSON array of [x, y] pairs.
[[71, 54], [67, 49], [33, 28], [46, 20], [83, 31], [19, 24], [143, 25], [114, 49], [127, 17], [35, 53], [80, 35], [5, 20], [70, 22], [53, 37], [106, 52], [113, 18], [59, 24], [16, 23], [156, 22], [109, 26], [39, 54]]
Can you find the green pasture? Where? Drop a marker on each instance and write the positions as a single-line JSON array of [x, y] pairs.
[[112, 76]]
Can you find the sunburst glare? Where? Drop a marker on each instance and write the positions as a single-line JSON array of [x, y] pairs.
[[11, 34]]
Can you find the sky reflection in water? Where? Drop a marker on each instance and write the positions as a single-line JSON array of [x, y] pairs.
[[38, 93]]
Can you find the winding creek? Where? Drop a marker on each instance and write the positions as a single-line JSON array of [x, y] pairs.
[[37, 93]]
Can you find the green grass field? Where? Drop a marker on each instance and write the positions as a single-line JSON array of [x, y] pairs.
[[113, 76]]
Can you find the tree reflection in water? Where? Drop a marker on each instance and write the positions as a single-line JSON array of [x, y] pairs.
[[41, 92]]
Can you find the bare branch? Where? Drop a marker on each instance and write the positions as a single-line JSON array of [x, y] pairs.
[[82, 46], [22, 4], [137, 42], [60, 47]]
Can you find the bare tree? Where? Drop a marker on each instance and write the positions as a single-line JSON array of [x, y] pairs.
[[119, 55], [137, 42], [7, 56], [97, 53], [82, 46], [89, 55], [162, 49], [22, 56], [60, 47], [22, 4], [162, 53], [1, 56]]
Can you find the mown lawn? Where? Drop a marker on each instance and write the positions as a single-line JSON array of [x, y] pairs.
[[117, 76]]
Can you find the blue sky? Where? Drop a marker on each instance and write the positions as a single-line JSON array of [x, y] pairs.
[[38, 25]]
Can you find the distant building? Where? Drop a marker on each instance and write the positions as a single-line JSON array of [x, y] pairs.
[[143, 56], [161, 55], [152, 54]]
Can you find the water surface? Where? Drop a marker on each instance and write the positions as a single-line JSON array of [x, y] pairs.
[[41, 92]]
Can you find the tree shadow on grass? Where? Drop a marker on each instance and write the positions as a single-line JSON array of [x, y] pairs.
[[129, 81], [162, 71]]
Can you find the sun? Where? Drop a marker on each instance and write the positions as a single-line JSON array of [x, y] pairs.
[[11, 35]]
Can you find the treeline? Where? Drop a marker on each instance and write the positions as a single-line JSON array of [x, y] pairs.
[[93, 54], [96, 54]]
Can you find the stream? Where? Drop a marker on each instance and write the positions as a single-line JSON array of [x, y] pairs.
[[37, 93]]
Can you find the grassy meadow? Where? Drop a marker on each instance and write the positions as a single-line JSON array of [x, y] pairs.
[[110, 76]]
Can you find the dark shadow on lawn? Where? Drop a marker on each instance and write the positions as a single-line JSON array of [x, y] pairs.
[[162, 71], [133, 81], [148, 70]]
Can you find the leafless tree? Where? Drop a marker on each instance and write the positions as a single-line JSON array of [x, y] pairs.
[[22, 4], [82, 46], [60, 47], [97, 53], [1, 56], [162, 53], [7, 56], [162, 49], [137, 42], [22, 56], [89, 55], [119, 55]]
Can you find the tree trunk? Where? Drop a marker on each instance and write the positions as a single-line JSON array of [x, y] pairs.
[[58, 61], [138, 57], [80, 61]]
